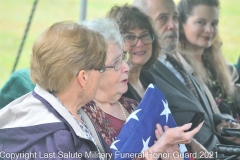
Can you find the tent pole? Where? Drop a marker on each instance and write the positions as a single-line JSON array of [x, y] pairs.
[[83, 10], [25, 35]]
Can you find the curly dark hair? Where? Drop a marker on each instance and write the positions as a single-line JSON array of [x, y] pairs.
[[128, 18]]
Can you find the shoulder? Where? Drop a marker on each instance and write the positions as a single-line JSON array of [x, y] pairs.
[[20, 113], [54, 137]]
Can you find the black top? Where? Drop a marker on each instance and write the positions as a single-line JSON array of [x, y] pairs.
[[146, 78]]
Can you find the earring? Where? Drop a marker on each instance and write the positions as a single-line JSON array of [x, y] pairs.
[[83, 98]]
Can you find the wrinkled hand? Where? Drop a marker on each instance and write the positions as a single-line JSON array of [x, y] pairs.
[[170, 149], [167, 142], [178, 136], [161, 147], [234, 125]]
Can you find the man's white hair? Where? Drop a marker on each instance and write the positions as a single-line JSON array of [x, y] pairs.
[[141, 4]]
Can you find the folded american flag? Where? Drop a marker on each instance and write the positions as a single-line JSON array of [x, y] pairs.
[[138, 132]]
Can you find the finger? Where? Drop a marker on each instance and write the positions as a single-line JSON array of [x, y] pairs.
[[234, 125], [237, 141], [157, 134], [158, 131], [195, 130], [234, 139], [159, 128], [166, 128], [224, 124], [188, 135], [231, 138], [186, 126], [158, 125]]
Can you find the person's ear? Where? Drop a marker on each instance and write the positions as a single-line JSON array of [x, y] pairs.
[[82, 78]]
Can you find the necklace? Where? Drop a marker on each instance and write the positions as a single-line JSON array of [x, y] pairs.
[[122, 110]]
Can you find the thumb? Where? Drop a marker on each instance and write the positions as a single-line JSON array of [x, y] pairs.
[[186, 126]]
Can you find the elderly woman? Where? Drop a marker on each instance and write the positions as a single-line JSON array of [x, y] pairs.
[[201, 48], [109, 110], [66, 65]]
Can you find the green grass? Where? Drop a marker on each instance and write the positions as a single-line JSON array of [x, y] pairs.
[[14, 17], [15, 13]]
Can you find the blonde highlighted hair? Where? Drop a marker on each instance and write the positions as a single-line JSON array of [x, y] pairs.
[[61, 51]]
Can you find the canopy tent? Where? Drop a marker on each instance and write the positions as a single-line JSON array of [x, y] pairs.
[[82, 17]]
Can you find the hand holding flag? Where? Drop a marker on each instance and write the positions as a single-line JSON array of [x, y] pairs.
[[138, 133]]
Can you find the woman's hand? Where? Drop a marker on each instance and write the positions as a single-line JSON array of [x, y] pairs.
[[178, 136], [159, 147], [233, 125], [167, 142]]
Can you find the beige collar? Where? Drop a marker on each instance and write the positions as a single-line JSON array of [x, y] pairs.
[[185, 64]]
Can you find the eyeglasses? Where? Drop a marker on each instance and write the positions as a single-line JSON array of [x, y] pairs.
[[132, 40], [117, 64]]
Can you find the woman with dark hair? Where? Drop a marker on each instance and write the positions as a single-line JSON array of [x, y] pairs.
[[141, 42], [200, 45]]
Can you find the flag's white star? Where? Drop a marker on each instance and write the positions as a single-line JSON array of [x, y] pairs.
[[182, 148], [113, 145], [145, 144], [166, 110], [133, 115], [151, 86]]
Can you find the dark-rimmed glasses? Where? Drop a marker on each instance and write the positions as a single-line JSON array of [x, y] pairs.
[[117, 64], [132, 40]]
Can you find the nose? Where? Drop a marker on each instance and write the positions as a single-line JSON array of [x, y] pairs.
[[209, 28], [125, 67], [139, 42], [172, 24]]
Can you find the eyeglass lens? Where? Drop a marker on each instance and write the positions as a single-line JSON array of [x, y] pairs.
[[117, 64], [132, 40]]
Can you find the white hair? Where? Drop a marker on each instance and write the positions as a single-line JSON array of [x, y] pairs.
[[142, 5], [108, 28]]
